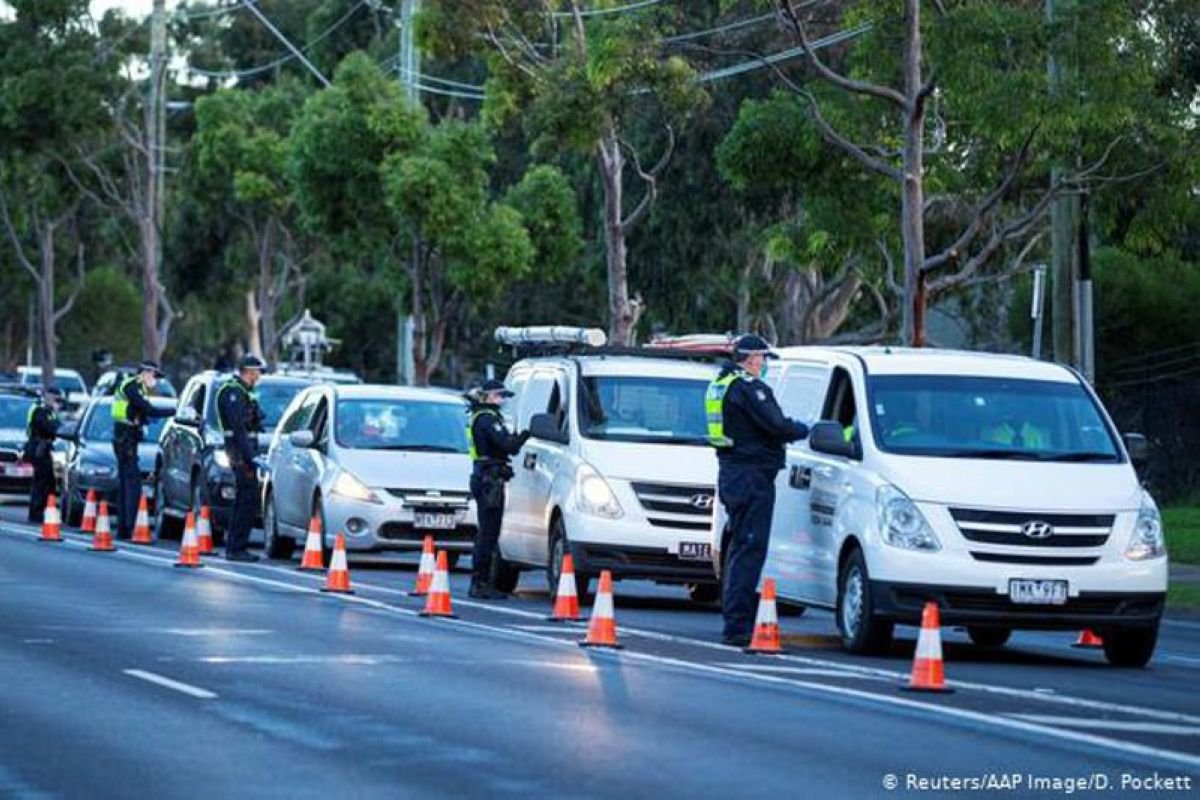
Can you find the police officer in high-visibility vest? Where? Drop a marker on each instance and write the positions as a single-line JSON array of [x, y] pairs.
[[491, 445], [240, 420], [41, 428], [131, 410], [750, 432]]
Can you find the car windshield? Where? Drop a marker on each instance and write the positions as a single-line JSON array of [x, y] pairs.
[[273, 398], [14, 411], [990, 418], [67, 384], [100, 425], [644, 409], [388, 424]]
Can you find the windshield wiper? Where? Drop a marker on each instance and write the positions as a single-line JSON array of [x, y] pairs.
[[986, 452], [416, 448], [1080, 456]]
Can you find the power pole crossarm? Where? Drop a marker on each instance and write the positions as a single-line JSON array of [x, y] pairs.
[[250, 6]]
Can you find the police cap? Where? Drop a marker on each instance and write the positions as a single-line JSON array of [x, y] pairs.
[[492, 385], [151, 366], [751, 345], [251, 361]]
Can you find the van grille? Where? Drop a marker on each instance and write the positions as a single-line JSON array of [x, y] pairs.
[[1005, 528], [672, 506], [1053, 561]]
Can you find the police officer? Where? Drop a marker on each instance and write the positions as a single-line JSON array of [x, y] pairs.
[[41, 427], [491, 445], [749, 430], [240, 418], [131, 410]]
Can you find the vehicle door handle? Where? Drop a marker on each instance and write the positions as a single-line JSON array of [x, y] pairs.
[[800, 477], [823, 472], [530, 460]]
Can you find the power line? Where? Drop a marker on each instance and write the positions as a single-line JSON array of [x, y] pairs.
[[425, 76], [448, 92], [784, 55], [596, 12], [732, 26]]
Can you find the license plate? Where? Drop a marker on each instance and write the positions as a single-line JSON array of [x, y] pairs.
[[18, 470], [695, 551], [434, 520], [1038, 593]]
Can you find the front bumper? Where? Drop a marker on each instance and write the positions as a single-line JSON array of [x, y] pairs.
[[636, 550], [375, 527], [971, 605]]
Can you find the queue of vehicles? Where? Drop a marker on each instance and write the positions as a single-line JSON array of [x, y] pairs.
[[997, 486]]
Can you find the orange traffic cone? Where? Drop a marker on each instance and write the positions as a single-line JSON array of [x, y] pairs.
[[102, 541], [204, 539], [189, 548], [1089, 640], [51, 521], [425, 571], [141, 527], [766, 623], [338, 579], [437, 603], [312, 548], [602, 627], [566, 599], [88, 525], [927, 671]]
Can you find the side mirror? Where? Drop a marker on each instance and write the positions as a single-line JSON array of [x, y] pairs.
[[263, 440], [1138, 449], [301, 438], [545, 426], [187, 416], [830, 438]]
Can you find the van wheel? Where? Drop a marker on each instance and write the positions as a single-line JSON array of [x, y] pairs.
[[862, 632], [704, 592], [989, 637], [1130, 647], [275, 545], [559, 546]]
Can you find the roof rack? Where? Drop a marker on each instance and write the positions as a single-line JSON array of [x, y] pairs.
[[549, 340]]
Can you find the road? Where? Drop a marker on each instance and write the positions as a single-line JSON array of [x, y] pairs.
[[121, 676]]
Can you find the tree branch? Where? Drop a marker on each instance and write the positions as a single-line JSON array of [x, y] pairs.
[[650, 178], [13, 237], [79, 278]]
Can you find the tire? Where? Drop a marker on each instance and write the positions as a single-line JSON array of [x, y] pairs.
[[72, 514], [275, 545], [559, 545], [164, 525], [1130, 647], [989, 637], [704, 592], [862, 632]]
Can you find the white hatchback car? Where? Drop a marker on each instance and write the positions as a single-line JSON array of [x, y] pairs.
[[996, 486], [386, 465]]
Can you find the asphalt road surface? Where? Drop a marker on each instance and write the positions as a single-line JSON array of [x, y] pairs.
[[121, 676]]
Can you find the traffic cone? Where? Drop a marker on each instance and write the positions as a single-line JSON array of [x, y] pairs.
[[766, 623], [927, 671], [141, 526], [338, 579], [602, 627], [437, 603], [189, 549], [88, 525], [1089, 640], [425, 571], [51, 521], [204, 539], [566, 599], [312, 548], [102, 541]]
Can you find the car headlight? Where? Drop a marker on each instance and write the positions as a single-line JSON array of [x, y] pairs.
[[348, 486], [1147, 540], [901, 523], [594, 496], [221, 459], [95, 471]]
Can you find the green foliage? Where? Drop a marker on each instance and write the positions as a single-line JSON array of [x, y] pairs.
[[1182, 527], [550, 213], [107, 314]]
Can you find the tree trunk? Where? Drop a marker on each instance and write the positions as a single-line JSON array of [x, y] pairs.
[[45, 293], [253, 319], [623, 313], [420, 323], [912, 208], [267, 300]]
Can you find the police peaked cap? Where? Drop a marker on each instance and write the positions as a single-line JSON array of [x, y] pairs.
[[151, 366], [493, 385], [750, 345], [251, 361]]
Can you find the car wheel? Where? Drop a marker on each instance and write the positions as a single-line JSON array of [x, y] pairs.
[[559, 546], [275, 545], [72, 513], [989, 637], [704, 592], [164, 525], [1130, 647], [862, 632]]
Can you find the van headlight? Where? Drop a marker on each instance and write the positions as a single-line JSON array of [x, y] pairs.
[[594, 496], [901, 523], [1147, 540], [221, 459], [350, 487]]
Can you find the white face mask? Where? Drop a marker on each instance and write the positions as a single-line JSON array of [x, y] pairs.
[[149, 380]]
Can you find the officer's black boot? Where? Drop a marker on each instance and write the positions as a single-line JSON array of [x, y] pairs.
[[482, 587]]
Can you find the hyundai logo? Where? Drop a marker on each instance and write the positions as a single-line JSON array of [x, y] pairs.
[[1036, 529], [704, 502]]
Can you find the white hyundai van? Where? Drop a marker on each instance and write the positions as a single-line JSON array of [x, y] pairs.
[[996, 486], [618, 473]]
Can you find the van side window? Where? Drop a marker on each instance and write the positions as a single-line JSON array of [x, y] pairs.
[[318, 425], [516, 381], [839, 402], [800, 391], [300, 417], [558, 402], [536, 397]]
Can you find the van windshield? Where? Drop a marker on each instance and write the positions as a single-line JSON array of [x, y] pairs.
[[644, 409], [990, 418]]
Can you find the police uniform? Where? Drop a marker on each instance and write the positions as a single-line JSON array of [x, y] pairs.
[[491, 445], [749, 430], [131, 409], [41, 427], [240, 418]]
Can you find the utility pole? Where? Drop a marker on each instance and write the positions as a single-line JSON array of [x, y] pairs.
[[1063, 214], [1085, 330], [410, 56], [153, 213]]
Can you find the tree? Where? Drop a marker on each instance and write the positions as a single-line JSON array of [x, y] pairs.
[[575, 79]]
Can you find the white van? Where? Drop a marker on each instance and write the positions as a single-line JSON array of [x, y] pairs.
[[995, 485], [618, 473]]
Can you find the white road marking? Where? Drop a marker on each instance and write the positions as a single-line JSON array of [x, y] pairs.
[[345, 658], [1182, 659], [574, 630], [160, 680], [1111, 725], [815, 671]]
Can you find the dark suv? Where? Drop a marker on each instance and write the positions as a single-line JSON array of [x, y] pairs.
[[192, 468]]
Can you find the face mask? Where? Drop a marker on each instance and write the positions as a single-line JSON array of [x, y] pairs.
[[763, 372], [151, 381]]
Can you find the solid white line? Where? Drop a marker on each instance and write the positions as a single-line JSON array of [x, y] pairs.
[[1111, 725], [188, 689]]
